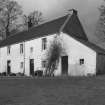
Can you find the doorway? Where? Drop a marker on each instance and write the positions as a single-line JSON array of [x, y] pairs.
[[32, 67], [64, 65], [8, 67]]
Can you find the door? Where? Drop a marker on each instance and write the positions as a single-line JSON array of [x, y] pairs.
[[8, 67], [64, 65], [32, 67]]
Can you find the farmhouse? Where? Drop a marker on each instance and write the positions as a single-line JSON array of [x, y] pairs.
[[26, 51]]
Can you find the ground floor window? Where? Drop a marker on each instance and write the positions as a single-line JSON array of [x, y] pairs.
[[44, 64], [81, 61], [8, 67], [32, 67]]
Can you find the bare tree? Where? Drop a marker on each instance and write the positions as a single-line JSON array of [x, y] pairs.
[[53, 55], [33, 19], [9, 13], [100, 28]]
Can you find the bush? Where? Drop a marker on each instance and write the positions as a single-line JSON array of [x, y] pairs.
[[3, 74], [38, 73], [53, 54], [19, 74], [12, 74]]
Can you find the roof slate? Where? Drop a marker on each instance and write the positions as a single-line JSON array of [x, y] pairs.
[[93, 46], [41, 30], [73, 28]]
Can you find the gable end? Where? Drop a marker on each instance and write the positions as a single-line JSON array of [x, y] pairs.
[[75, 28]]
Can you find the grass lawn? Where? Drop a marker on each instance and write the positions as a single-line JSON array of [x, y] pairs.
[[53, 91]]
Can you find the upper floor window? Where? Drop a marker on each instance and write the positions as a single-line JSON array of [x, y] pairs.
[[81, 61], [8, 50], [21, 65], [21, 48], [31, 49], [44, 43]]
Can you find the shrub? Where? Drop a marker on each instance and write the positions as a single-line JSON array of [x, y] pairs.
[[19, 74], [4, 74], [53, 55], [12, 74], [38, 73]]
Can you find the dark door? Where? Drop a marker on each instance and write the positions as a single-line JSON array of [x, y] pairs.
[[32, 67], [64, 64], [8, 67]]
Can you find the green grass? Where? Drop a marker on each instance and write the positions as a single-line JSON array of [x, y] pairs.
[[53, 91]]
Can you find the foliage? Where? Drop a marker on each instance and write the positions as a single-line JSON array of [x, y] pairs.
[[9, 13], [53, 55]]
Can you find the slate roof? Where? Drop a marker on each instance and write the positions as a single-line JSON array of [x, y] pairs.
[[41, 30], [73, 27], [93, 46]]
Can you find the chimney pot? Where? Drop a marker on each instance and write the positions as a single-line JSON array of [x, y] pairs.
[[75, 12]]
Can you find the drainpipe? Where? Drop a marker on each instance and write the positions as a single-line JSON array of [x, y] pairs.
[[24, 57]]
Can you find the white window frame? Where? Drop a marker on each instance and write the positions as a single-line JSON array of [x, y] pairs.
[[21, 48], [8, 50], [44, 43]]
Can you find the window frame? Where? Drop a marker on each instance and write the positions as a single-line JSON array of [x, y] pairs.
[[21, 65], [82, 61], [31, 49], [44, 63], [8, 50], [44, 43], [21, 48]]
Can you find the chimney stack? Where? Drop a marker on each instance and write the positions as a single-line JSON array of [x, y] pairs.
[[75, 12], [29, 23]]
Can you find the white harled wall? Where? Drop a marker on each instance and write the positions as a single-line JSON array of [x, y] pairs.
[[15, 57], [74, 49], [3, 59], [38, 54]]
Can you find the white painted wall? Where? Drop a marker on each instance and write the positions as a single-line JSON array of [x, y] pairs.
[[38, 54], [74, 49], [3, 59], [15, 57]]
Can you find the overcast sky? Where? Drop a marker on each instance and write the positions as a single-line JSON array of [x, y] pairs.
[[87, 10]]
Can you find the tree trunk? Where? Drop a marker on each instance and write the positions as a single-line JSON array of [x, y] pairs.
[[7, 32]]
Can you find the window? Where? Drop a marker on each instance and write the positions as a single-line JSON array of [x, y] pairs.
[[44, 43], [81, 61], [21, 48], [43, 64], [31, 49], [21, 65], [8, 50]]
